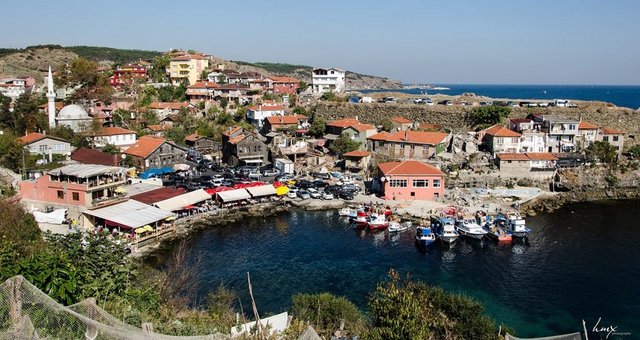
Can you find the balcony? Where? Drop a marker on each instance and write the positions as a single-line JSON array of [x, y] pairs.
[[103, 184]]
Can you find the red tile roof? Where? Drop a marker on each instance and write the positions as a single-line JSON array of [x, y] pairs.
[[157, 128], [283, 120], [587, 126], [416, 137], [114, 130], [145, 146], [284, 79], [343, 123], [35, 136], [237, 139], [168, 105], [187, 57], [158, 195], [93, 156], [363, 127], [401, 120], [357, 153], [541, 156], [203, 85], [612, 131], [267, 108], [521, 120], [408, 168], [512, 156], [501, 131], [232, 130]]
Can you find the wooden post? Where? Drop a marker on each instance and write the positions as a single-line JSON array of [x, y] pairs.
[[255, 309]]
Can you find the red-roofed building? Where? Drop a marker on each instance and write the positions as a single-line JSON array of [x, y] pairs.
[[500, 139], [120, 137], [258, 113], [279, 123], [243, 147], [38, 143], [126, 75], [536, 165], [157, 195], [93, 156], [155, 152], [357, 160], [187, 67], [420, 145], [614, 137], [200, 91], [410, 180], [203, 145], [587, 134], [284, 85], [401, 123]]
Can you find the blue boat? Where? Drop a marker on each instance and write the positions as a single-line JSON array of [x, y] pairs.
[[444, 228], [424, 236], [513, 224]]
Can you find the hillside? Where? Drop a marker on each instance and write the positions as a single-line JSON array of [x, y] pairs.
[[33, 60]]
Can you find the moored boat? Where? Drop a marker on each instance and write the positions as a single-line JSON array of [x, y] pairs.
[[444, 229], [395, 226], [377, 221], [361, 220], [517, 226], [498, 234], [470, 228], [348, 212], [424, 236]]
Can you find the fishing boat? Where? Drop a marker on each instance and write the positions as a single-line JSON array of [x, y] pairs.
[[361, 220], [444, 229], [470, 228], [377, 221], [395, 226], [498, 233], [348, 212], [424, 236], [517, 226]]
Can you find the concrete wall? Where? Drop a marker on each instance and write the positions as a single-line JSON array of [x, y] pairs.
[[410, 192]]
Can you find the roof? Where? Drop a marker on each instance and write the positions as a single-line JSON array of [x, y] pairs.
[[541, 156], [587, 126], [158, 195], [87, 170], [357, 153], [131, 213], [114, 130], [233, 195], [93, 156], [168, 105], [194, 137], [145, 146], [284, 79], [232, 130], [238, 139], [416, 137], [181, 201], [343, 123], [409, 167], [34, 137], [157, 127], [362, 127], [262, 190], [203, 85], [283, 120], [187, 57], [267, 108], [501, 131], [521, 120], [512, 156], [611, 131], [401, 120], [533, 156]]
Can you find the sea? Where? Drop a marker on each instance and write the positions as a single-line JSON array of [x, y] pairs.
[[581, 262], [623, 96]]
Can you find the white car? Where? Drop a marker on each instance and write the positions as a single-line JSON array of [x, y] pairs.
[[293, 193], [327, 196], [314, 193]]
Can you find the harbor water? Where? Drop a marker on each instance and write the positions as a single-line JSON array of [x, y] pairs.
[[580, 263]]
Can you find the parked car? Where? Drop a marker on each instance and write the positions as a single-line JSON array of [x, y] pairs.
[[351, 187], [293, 192], [304, 184], [254, 175], [303, 194], [270, 172], [314, 193], [285, 177], [346, 195], [321, 175], [327, 196], [334, 189], [319, 184]]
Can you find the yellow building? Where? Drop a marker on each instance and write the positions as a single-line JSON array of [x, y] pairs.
[[187, 66]]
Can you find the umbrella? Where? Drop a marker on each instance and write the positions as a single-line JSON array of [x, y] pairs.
[[170, 218], [181, 167], [190, 206], [120, 190], [140, 230], [283, 190], [147, 228]]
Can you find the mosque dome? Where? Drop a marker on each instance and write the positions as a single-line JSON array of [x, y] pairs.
[[73, 112]]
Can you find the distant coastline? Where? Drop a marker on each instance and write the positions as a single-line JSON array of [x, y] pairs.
[[620, 95]]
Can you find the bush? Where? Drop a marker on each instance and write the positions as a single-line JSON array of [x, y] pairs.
[[326, 311], [485, 116]]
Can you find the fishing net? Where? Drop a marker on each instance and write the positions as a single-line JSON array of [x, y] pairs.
[[28, 313]]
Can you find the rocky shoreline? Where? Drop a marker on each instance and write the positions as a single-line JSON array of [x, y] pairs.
[[549, 203]]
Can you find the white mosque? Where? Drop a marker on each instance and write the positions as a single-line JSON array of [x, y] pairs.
[[73, 116]]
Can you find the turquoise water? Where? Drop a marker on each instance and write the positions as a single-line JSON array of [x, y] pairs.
[[624, 96], [582, 262]]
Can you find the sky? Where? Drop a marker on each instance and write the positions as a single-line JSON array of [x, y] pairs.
[[414, 41]]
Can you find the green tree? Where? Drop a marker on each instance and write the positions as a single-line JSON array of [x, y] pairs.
[[318, 125], [402, 309], [600, 151], [11, 152], [634, 151], [329, 96], [299, 110], [343, 145], [26, 116], [172, 93], [111, 149], [326, 312], [18, 227], [158, 70], [89, 84], [303, 86], [6, 116], [387, 125], [485, 116]]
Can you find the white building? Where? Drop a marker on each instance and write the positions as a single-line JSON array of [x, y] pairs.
[[117, 136], [328, 80], [257, 114]]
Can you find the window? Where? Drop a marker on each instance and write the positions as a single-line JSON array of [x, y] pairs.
[[572, 126], [398, 183], [605, 138], [499, 140], [42, 148], [413, 194], [514, 140], [436, 183], [60, 194], [75, 196], [615, 138], [420, 183]]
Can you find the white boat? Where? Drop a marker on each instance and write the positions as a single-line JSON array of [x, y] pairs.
[[517, 226], [470, 229], [348, 212], [444, 229], [377, 221], [395, 226], [424, 236]]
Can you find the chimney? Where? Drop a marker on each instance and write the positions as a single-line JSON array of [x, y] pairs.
[[356, 117]]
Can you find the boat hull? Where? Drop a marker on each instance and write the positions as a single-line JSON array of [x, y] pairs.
[[378, 226], [448, 239], [470, 235]]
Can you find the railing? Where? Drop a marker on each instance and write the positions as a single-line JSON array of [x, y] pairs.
[[106, 184], [155, 236]]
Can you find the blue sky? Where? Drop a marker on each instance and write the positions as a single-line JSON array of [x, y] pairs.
[[455, 41]]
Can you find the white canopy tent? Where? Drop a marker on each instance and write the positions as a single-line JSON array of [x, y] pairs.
[[262, 190], [132, 214], [233, 195], [184, 200]]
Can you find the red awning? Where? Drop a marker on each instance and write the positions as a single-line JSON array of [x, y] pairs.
[[189, 207]]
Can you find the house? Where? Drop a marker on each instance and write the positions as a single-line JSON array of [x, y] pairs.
[[280, 123], [535, 165], [284, 85], [120, 137], [76, 187], [401, 123], [187, 67], [155, 152], [40, 144], [500, 139], [420, 145], [256, 114], [232, 91], [243, 147], [243, 77], [357, 160], [164, 109], [356, 130], [359, 133], [410, 180], [202, 144], [93, 156], [328, 80], [532, 139], [13, 87], [587, 134], [612, 136], [128, 74], [201, 91], [561, 132], [157, 130]]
